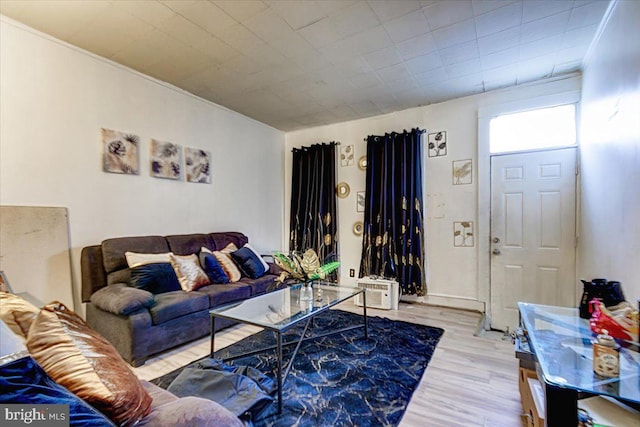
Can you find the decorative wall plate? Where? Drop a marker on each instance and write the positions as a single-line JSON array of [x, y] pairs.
[[343, 190], [362, 163], [358, 228]]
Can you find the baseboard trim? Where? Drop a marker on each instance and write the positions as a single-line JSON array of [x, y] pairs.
[[447, 301]]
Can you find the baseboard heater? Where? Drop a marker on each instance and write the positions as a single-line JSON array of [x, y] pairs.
[[381, 293]]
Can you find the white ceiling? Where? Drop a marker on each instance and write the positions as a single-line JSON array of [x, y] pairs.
[[298, 64]]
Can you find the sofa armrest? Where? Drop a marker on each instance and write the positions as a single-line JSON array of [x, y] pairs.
[[122, 299], [274, 269]]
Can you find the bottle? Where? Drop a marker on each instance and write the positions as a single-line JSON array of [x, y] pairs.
[[606, 355]]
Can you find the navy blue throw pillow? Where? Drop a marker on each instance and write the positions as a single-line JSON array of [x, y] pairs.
[[156, 278], [212, 268], [249, 263], [24, 381]]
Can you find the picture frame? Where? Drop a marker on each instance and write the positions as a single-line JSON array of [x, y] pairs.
[[360, 201], [463, 236], [437, 144], [166, 160], [120, 153], [462, 172], [197, 165], [347, 156]]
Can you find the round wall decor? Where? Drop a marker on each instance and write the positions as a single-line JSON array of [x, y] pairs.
[[362, 163], [358, 228], [343, 190]]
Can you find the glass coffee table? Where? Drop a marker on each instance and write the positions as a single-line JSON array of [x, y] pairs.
[[561, 342], [280, 310]]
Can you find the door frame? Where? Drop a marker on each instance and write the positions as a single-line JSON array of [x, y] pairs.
[[483, 230]]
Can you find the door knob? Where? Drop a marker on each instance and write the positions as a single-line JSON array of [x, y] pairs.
[[496, 240], [496, 251]]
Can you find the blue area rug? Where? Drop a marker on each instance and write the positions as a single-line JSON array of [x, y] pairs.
[[342, 379]]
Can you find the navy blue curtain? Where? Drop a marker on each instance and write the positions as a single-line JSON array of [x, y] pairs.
[[393, 238], [313, 201]]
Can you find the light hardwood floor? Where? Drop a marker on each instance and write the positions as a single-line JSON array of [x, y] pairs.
[[470, 381]]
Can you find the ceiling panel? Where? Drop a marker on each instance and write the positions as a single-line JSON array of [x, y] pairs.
[[407, 27], [295, 64]]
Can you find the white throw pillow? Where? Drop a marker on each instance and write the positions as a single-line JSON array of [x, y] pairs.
[[135, 259]]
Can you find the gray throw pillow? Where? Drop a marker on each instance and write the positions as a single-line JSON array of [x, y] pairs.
[[121, 299]]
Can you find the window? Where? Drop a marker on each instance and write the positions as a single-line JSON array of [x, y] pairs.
[[535, 129]]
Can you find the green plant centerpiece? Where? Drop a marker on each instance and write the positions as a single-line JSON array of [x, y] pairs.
[[303, 269]]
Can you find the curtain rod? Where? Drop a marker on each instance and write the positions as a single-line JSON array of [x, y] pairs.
[[322, 143], [422, 131]]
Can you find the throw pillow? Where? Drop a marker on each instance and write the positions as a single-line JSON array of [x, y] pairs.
[[155, 278], [122, 299], [78, 358], [231, 247], [17, 313], [212, 268], [262, 261], [248, 262], [24, 381], [230, 269], [206, 250], [135, 259], [190, 275]]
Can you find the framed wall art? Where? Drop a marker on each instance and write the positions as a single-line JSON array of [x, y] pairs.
[[166, 160], [197, 165], [463, 234], [437, 144], [360, 200], [347, 155], [120, 152], [462, 172]]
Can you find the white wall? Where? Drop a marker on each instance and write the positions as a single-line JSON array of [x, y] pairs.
[[452, 272], [610, 152], [54, 100]]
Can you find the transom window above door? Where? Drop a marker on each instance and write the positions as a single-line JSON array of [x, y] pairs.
[[534, 129]]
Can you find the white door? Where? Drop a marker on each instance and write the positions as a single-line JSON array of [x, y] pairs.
[[533, 211]]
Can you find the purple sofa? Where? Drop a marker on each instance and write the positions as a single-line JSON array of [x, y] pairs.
[[140, 324]]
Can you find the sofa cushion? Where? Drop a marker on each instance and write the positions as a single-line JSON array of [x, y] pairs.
[[221, 240], [80, 359], [155, 278], [186, 244], [113, 250], [122, 299], [24, 381], [172, 305], [248, 262], [17, 313], [212, 268], [168, 410], [259, 285], [222, 294], [189, 272]]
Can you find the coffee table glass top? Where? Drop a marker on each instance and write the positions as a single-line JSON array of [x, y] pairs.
[[282, 308], [561, 341]]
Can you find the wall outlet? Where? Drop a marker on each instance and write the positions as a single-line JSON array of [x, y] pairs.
[[352, 272]]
